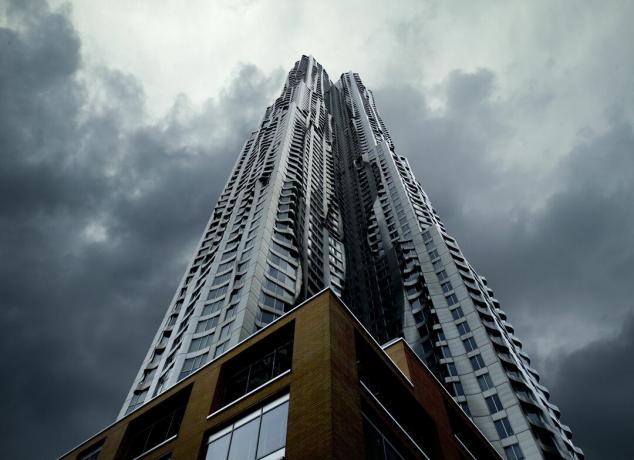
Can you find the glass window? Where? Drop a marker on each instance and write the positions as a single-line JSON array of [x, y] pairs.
[[92, 454], [244, 441], [470, 344], [200, 343], [220, 349], [513, 452], [206, 324], [377, 446], [433, 254], [212, 308], [503, 427], [191, 364], [260, 434], [445, 351], [446, 287], [143, 437], [463, 328], [273, 430], [258, 372], [451, 299], [451, 369], [477, 362], [457, 313], [457, 389], [494, 403], [225, 331], [442, 274], [465, 407], [485, 382], [137, 400]]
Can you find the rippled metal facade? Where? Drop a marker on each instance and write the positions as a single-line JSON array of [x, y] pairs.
[[320, 198]]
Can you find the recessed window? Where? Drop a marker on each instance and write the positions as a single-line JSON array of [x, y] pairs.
[[137, 400], [156, 426], [200, 343], [477, 362], [494, 404], [463, 328], [442, 274], [225, 331], [257, 372], [485, 382], [446, 287], [451, 299], [92, 453], [192, 364], [206, 324], [377, 446], [451, 369], [457, 389], [514, 452], [260, 434], [470, 344], [212, 308], [503, 427], [433, 254], [231, 311], [457, 313], [445, 351]]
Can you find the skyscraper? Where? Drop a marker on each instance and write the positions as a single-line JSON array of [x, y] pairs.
[[319, 198]]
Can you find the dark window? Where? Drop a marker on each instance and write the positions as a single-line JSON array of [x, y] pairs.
[[252, 374], [451, 299], [470, 344], [485, 382], [156, 426], [463, 328], [91, 453], [377, 446], [441, 275], [445, 351], [503, 427], [451, 369], [494, 404], [457, 389], [457, 313], [465, 407], [513, 452], [477, 362], [446, 287]]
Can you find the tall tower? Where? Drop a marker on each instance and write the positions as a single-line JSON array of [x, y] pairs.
[[320, 198]]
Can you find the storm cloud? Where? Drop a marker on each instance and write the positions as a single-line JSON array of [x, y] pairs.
[[104, 191]]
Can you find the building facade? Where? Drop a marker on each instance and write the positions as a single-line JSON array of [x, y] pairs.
[[313, 384], [318, 199]]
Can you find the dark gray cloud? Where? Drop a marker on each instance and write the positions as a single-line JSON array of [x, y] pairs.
[[100, 209], [593, 387]]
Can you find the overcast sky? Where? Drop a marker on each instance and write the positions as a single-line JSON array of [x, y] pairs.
[[120, 121]]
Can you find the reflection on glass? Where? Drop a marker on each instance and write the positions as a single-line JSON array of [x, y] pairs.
[[219, 448], [257, 435], [273, 430], [244, 441]]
